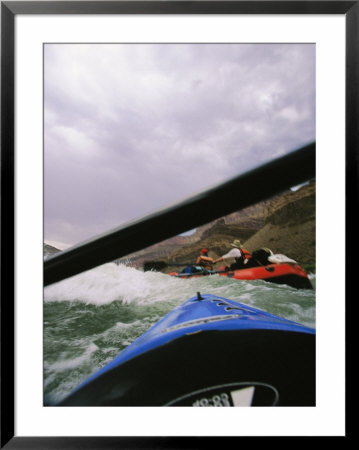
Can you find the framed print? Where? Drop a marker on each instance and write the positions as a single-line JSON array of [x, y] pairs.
[[110, 112]]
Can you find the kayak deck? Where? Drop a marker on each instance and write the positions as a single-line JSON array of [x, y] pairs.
[[210, 351]]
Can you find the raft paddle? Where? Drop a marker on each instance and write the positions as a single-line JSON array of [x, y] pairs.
[[160, 265]]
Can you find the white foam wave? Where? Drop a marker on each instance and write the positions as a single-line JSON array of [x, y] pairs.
[[111, 282]]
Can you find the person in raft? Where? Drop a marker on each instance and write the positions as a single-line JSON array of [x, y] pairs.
[[241, 256], [204, 260]]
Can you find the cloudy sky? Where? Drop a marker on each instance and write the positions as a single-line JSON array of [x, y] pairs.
[[132, 128]]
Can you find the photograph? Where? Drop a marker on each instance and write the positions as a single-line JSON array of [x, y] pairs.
[[222, 314], [177, 179]]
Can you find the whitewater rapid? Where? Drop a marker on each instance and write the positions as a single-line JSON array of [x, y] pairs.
[[91, 317]]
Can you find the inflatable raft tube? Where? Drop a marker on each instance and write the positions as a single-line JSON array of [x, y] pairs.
[[290, 274]]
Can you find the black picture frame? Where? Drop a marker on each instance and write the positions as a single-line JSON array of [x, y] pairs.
[[9, 10]]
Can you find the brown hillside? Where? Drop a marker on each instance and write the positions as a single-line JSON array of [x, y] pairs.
[[290, 230]]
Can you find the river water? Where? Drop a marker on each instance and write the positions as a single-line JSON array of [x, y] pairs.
[[91, 317]]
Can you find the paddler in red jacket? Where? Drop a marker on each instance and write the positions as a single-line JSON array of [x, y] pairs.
[[241, 256]]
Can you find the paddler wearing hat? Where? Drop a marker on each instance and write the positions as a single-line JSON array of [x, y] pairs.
[[238, 253]]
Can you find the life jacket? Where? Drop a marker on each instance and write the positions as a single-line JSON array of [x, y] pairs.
[[205, 264], [245, 255]]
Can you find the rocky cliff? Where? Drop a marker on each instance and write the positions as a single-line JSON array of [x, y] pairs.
[[290, 227]]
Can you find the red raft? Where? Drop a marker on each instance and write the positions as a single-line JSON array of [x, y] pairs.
[[289, 274]]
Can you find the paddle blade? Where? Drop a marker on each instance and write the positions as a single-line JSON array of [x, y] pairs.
[[155, 266]]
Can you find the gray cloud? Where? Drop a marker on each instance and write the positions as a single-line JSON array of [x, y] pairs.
[[132, 128]]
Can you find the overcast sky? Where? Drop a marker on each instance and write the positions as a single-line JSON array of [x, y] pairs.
[[132, 128]]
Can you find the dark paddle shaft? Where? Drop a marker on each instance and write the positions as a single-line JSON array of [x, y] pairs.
[[160, 265], [238, 193]]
